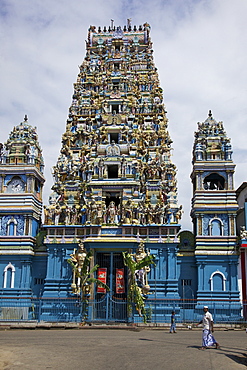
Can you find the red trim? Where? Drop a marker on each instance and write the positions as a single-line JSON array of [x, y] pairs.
[[243, 273]]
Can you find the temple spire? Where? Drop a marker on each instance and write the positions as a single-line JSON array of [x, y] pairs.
[[116, 133]]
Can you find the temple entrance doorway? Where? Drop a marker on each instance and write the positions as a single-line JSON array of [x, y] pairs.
[[112, 305]]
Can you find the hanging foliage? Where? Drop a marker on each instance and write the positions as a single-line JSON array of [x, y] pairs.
[[137, 293], [82, 274]]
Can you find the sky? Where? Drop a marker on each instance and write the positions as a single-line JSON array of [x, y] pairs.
[[199, 49]]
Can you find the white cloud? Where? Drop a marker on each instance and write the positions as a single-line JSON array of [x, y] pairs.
[[199, 49]]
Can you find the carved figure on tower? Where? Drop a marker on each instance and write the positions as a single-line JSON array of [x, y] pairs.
[[117, 137]]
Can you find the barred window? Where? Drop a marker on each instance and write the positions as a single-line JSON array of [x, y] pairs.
[[38, 281], [186, 282]]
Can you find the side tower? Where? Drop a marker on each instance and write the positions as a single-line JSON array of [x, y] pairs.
[[214, 210], [21, 183], [114, 181]]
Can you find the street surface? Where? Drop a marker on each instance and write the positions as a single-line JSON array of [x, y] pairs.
[[108, 349]]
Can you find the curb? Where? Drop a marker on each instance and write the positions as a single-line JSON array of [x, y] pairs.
[[131, 327]]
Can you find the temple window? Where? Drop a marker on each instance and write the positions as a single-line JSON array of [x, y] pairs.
[[186, 282], [11, 227], [216, 227], [39, 281], [115, 85], [217, 281], [214, 182], [113, 137], [9, 276], [37, 186], [115, 108], [112, 171]]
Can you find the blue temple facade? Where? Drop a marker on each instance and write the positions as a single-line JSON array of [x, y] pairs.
[[115, 191]]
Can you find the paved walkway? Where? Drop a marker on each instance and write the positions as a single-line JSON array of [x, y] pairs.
[[114, 349]]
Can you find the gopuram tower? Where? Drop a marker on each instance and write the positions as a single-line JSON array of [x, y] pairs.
[[114, 181], [21, 186], [214, 211]]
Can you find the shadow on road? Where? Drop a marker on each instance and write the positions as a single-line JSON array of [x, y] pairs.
[[242, 359], [150, 340]]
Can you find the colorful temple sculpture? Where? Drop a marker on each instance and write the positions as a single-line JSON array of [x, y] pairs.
[[115, 164], [115, 191]]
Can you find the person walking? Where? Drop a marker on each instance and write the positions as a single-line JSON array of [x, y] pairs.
[[208, 339], [173, 323]]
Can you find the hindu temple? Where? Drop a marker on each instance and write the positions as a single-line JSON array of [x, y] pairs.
[[114, 192]]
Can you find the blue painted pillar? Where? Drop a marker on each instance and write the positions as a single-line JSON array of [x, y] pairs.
[[25, 277], [201, 277], [51, 287], [230, 274], [64, 263], [172, 280]]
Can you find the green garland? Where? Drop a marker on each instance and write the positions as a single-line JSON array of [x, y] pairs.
[[134, 292]]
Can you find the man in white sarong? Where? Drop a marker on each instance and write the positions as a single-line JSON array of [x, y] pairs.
[[208, 339]]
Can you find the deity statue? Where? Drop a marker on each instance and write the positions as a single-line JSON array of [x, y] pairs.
[[127, 212], [103, 134], [74, 215], [93, 212], [112, 213], [101, 166], [172, 197], [141, 275], [67, 215], [48, 216], [83, 214], [243, 232], [57, 213], [178, 214], [123, 167], [99, 214], [78, 258]]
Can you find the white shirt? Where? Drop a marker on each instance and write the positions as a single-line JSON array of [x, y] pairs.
[[207, 319]]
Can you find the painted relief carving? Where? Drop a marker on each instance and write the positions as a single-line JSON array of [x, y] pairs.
[[116, 133]]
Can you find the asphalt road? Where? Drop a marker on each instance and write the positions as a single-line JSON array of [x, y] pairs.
[[98, 349]]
